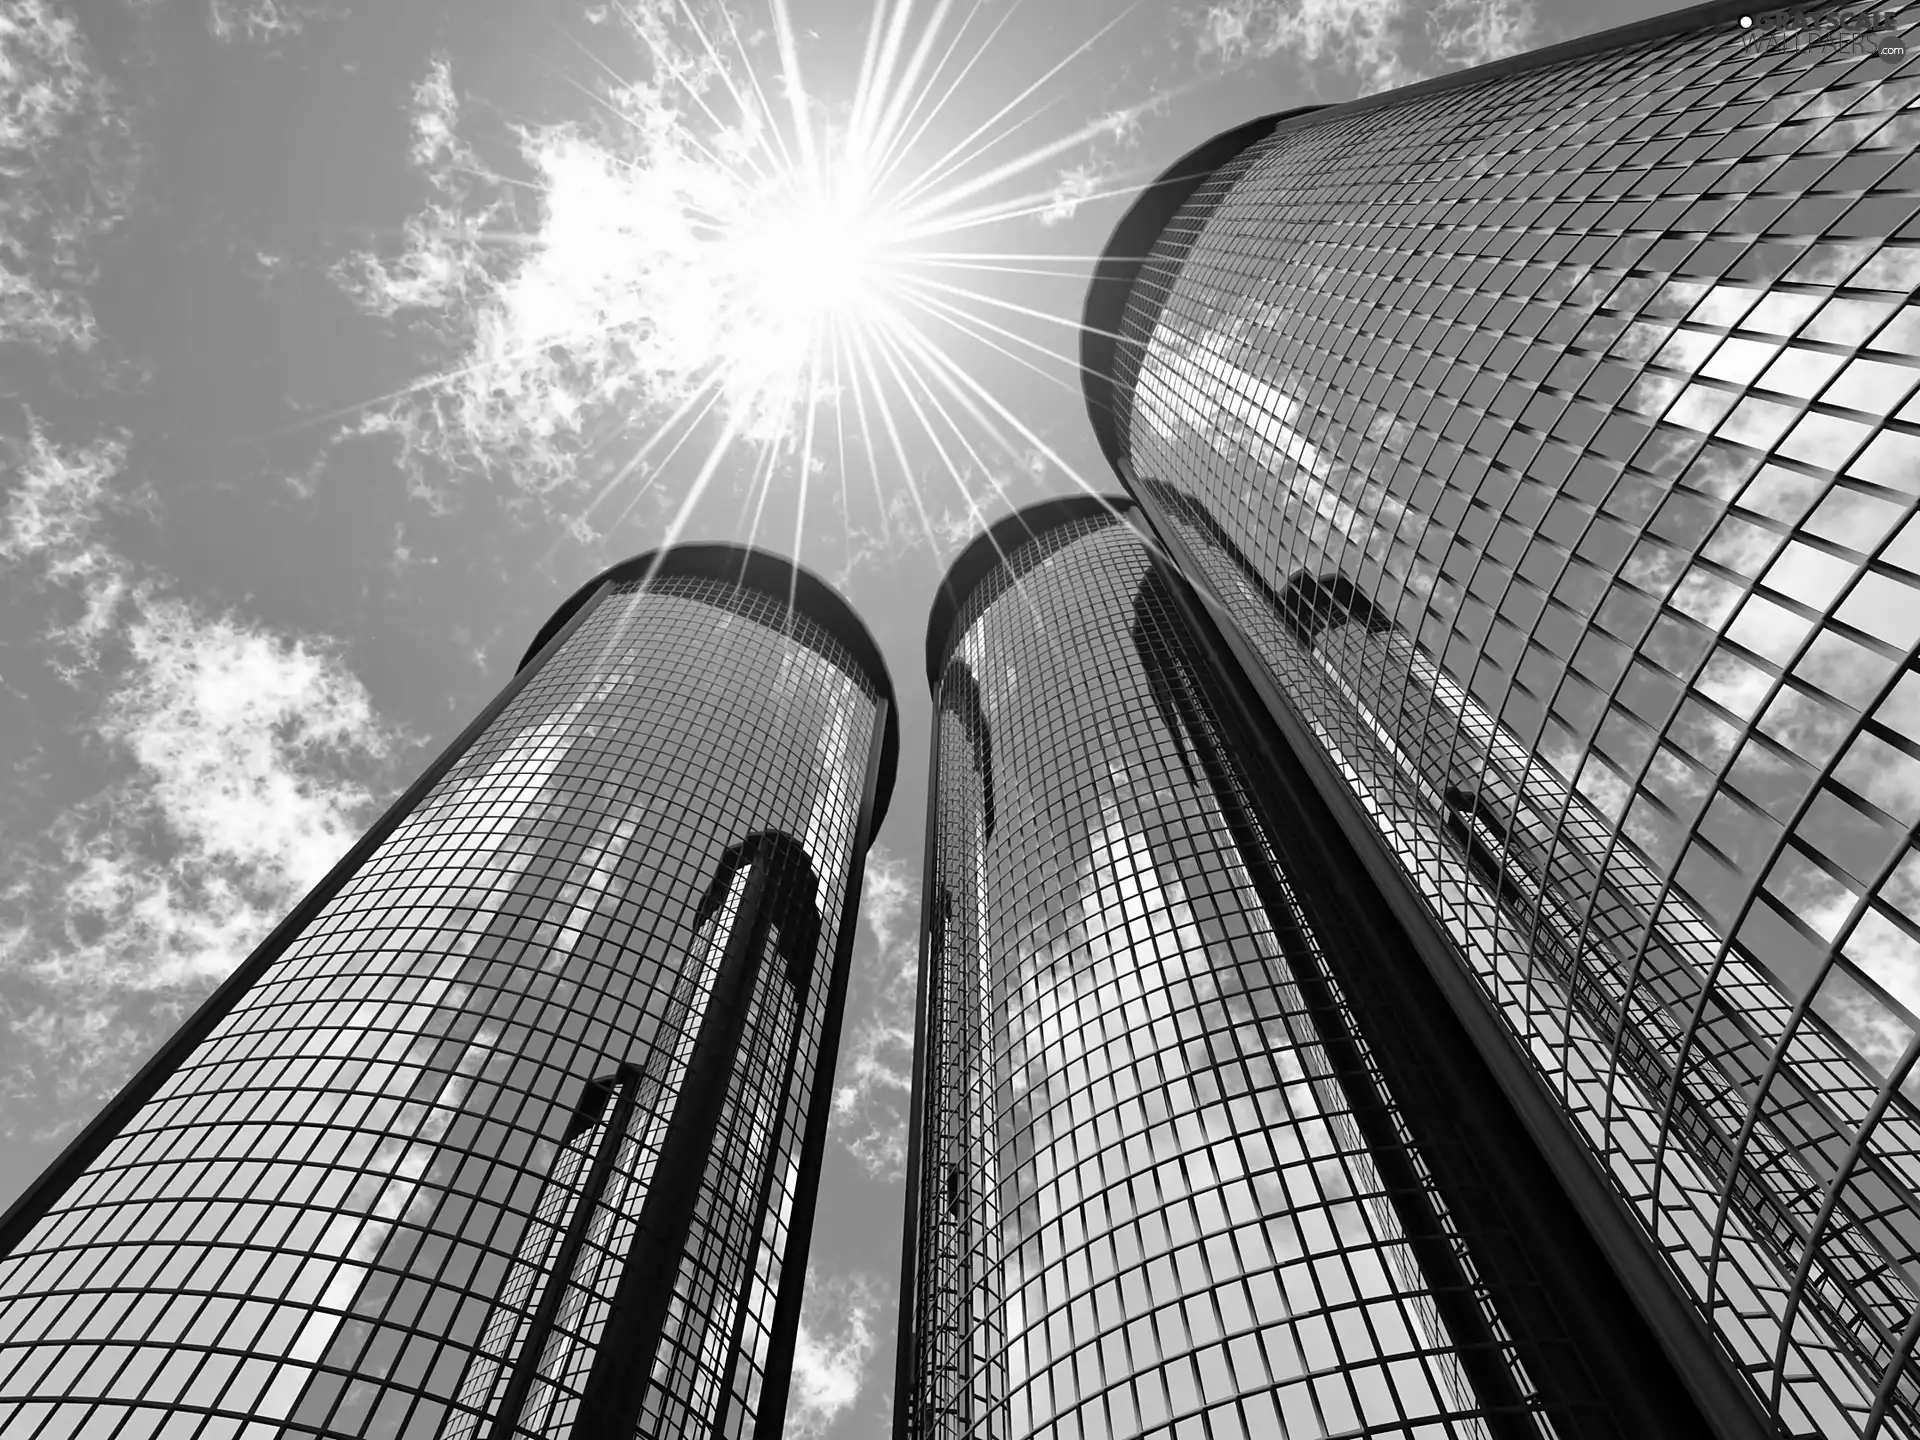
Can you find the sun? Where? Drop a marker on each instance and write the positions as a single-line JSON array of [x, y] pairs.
[[804, 265], [814, 261], [763, 269], [805, 258]]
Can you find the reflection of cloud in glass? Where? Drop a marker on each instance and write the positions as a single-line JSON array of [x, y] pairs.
[[1168, 1200], [362, 1162], [1658, 513]]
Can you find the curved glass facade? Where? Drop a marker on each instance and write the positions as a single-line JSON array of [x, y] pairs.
[[1161, 1186], [1551, 439], [511, 1137]]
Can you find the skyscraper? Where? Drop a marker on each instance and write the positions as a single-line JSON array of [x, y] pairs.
[[1191, 1153], [1542, 439], [513, 1128]]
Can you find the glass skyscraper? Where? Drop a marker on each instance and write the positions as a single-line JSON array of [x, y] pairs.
[[1544, 441], [513, 1129], [1190, 1156]]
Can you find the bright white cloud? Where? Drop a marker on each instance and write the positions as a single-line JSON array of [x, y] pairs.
[[55, 509], [248, 748], [637, 269], [874, 1083], [245, 762], [711, 250], [67, 166], [836, 1340]]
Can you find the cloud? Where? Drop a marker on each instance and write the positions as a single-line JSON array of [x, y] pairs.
[[444, 261], [875, 1078], [830, 1354], [1879, 950], [262, 22], [51, 532], [244, 763], [1466, 33], [629, 270], [244, 744], [1122, 127], [55, 508], [67, 173], [907, 527], [1377, 44], [1075, 187], [522, 343]]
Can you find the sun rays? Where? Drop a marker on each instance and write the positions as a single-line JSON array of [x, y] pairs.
[[737, 276]]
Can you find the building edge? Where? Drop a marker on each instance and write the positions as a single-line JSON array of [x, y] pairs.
[[38, 1198], [906, 1302], [740, 564], [973, 566], [988, 549], [771, 574], [1140, 228], [1125, 256]]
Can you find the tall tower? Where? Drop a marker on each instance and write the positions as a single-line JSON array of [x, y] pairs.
[[1542, 440], [1195, 1149], [513, 1128]]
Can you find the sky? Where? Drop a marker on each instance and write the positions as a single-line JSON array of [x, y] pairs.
[[339, 342]]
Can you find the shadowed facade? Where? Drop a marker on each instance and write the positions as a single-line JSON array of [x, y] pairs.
[[1178, 1164], [1543, 441], [513, 1129]]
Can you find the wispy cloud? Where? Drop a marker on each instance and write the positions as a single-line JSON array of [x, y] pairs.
[[1370, 44], [875, 1079], [1466, 33], [243, 763], [53, 536], [906, 528], [1075, 187], [67, 170], [444, 260], [567, 308], [830, 1354], [263, 22]]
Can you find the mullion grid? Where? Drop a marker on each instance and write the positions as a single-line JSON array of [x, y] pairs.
[[963, 1376], [1848, 127], [403, 952], [1096, 1203]]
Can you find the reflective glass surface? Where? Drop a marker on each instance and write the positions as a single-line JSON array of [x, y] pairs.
[[1146, 1203], [1553, 442], [429, 1131]]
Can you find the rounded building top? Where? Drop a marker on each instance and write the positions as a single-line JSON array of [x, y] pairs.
[[979, 560], [1126, 253], [771, 574]]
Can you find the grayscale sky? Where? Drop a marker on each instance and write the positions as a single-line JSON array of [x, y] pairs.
[[340, 341]]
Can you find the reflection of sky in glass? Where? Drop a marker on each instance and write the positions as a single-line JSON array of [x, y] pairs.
[[1188, 1221], [1641, 489], [567, 1353], [318, 1217]]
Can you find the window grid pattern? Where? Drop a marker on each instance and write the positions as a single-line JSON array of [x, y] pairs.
[[586, 1278], [508, 1327], [719, 1319], [1591, 391], [1148, 1211], [960, 1306], [314, 1222]]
